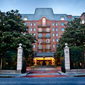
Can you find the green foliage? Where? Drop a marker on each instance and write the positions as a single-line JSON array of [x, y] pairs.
[[11, 33], [9, 60], [76, 57], [74, 35]]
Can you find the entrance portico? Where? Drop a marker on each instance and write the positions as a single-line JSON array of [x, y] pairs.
[[40, 61]]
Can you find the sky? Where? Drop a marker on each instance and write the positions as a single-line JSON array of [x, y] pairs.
[[69, 7]]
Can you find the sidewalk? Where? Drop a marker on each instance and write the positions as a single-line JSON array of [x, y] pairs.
[[73, 74]]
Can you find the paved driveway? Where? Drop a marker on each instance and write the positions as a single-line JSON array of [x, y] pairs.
[[43, 81]]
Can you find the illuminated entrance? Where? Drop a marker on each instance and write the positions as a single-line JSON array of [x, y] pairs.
[[44, 61]]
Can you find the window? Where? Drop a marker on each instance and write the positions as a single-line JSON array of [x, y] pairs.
[[34, 29], [56, 29], [24, 33], [53, 29], [56, 24], [40, 35], [39, 41], [25, 24], [34, 24], [31, 24], [56, 40], [53, 23], [34, 46], [53, 46], [62, 24], [69, 19], [47, 40], [47, 34], [56, 45], [39, 46], [40, 29], [62, 29], [43, 21], [47, 46], [31, 33], [47, 29], [30, 29], [25, 18], [53, 34], [53, 40], [62, 18], [34, 34], [82, 21], [56, 34]]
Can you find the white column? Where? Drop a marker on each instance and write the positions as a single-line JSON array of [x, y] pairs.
[[67, 57], [19, 58]]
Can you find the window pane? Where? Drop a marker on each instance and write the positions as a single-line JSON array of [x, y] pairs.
[[25, 18], [34, 34], [53, 46], [62, 29], [53, 24], [31, 24], [25, 23], [33, 46], [69, 19], [56, 29], [53, 40], [56, 34], [56, 24], [34, 29], [30, 29], [62, 24], [53, 29], [34, 24], [39, 35], [53, 34], [56, 40], [62, 18], [47, 34]]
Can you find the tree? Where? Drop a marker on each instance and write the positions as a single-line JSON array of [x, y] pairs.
[[12, 30], [74, 35]]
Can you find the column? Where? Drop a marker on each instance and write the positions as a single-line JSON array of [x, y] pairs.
[[19, 58], [67, 57]]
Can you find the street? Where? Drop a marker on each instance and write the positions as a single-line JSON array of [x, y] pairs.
[[43, 81]]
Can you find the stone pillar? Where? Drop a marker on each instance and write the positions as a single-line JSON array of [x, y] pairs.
[[19, 58], [67, 57], [35, 61]]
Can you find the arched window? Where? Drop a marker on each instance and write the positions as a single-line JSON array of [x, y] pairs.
[[56, 29], [25, 18], [43, 21], [62, 18]]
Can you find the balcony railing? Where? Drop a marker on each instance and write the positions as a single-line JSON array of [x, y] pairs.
[[43, 36], [44, 42], [44, 31], [43, 26], [40, 48]]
